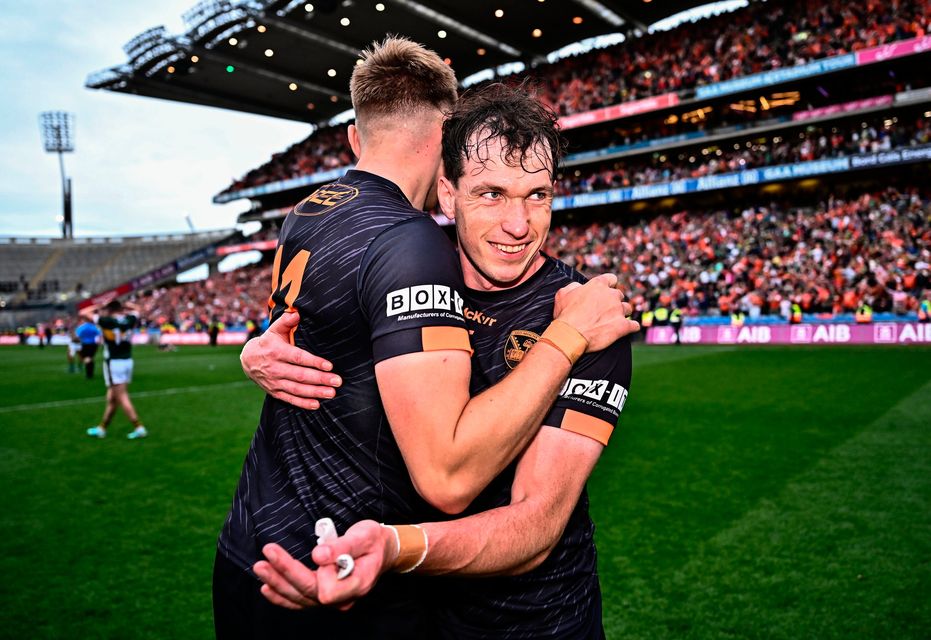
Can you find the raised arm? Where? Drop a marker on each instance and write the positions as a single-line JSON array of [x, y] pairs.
[[454, 446], [509, 540]]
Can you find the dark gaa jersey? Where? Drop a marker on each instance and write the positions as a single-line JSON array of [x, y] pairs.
[[372, 278], [561, 598], [117, 336]]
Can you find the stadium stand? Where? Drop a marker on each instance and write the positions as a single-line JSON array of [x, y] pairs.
[[762, 37], [855, 238], [323, 150], [233, 299], [43, 270], [812, 143], [824, 235], [830, 258]]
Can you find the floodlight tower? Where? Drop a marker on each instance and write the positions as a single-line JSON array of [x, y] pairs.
[[57, 136]]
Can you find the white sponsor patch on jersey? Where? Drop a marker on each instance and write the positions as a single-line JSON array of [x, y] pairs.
[[598, 390], [424, 297]]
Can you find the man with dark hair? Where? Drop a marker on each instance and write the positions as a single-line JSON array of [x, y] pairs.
[[500, 151], [378, 291], [117, 330]]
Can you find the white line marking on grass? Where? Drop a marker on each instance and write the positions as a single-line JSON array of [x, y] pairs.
[[141, 394]]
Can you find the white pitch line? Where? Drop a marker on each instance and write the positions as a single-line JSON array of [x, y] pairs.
[[100, 398]]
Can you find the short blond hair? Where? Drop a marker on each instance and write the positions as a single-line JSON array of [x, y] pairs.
[[398, 77]]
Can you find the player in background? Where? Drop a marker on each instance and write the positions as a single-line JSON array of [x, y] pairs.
[[377, 289], [74, 350], [117, 328], [89, 336], [500, 149]]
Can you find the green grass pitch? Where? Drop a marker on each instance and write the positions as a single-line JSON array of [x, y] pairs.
[[748, 493]]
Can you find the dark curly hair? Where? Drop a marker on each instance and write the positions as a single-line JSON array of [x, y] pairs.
[[494, 111]]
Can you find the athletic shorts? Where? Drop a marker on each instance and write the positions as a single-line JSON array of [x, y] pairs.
[[74, 348], [118, 371], [89, 350]]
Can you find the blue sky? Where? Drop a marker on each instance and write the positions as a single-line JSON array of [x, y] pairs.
[[140, 164]]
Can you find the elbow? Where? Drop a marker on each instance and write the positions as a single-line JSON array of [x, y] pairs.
[[446, 493]]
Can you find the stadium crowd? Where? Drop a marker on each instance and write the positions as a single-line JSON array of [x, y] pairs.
[[235, 298], [813, 143], [323, 150], [761, 37], [875, 248]]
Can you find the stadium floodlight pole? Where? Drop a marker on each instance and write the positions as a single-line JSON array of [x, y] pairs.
[[57, 136]]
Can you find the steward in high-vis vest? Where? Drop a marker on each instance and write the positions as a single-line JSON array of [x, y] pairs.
[[796, 317], [675, 321], [646, 320], [864, 314], [738, 318], [661, 316]]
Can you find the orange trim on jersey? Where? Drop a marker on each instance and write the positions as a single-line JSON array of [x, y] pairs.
[[439, 338], [586, 425], [294, 328]]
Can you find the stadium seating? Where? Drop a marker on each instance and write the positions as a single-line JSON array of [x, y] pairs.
[[44, 270], [232, 298], [762, 37], [813, 143], [828, 259]]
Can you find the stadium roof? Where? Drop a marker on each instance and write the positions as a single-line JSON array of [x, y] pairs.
[[292, 58]]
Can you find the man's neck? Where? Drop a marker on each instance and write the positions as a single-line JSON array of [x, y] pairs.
[[414, 174]]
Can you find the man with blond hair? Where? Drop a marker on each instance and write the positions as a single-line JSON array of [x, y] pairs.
[[378, 291]]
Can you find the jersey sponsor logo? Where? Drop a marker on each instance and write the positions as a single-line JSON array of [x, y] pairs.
[[517, 346], [597, 390], [479, 317], [424, 297], [325, 199]]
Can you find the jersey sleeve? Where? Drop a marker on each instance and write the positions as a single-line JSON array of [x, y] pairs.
[[591, 401], [410, 289]]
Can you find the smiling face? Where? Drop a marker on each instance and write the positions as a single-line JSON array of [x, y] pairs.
[[502, 207]]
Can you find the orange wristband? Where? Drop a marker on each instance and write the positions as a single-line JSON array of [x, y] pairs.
[[412, 546], [566, 339]]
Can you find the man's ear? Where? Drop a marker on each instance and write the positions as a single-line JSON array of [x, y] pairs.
[[355, 141], [446, 195]]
